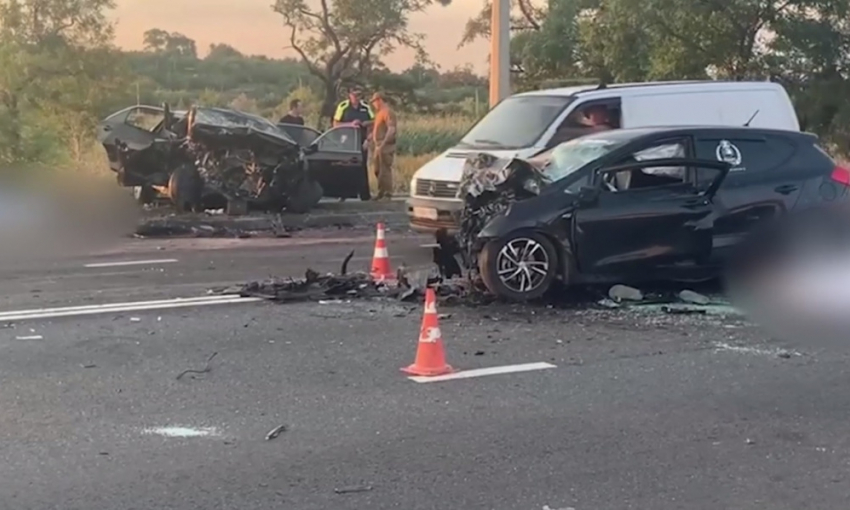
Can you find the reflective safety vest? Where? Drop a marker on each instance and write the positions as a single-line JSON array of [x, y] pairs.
[[347, 113]]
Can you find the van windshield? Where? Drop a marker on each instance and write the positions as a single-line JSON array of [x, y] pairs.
[[515, 123]]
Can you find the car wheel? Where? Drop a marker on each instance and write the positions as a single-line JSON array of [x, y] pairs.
[[144, 195], [185, 187], [306, 195], [519, 267]]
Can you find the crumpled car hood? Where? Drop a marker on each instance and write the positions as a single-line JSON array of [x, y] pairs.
[[489, 186]]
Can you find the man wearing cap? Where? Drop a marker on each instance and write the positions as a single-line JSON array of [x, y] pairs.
[[382, 145], [354, 112]]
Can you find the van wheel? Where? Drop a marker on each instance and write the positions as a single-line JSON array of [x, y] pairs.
[[519, 267]]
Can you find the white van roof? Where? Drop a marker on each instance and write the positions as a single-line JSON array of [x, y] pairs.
[[626, 89]]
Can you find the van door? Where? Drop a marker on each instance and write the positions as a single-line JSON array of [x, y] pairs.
[[762, 107]]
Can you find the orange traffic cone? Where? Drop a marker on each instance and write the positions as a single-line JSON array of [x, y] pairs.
[[381, 270], [430, 357]]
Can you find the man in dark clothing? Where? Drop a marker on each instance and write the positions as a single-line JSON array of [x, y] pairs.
[[294, 115], [354, 112]]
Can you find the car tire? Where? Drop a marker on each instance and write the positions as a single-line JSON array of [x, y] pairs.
[[496, 257], [144, 195], [306, 196], [185, 188]]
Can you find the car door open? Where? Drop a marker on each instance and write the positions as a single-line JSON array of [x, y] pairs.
[[619, 231], [335, 160]]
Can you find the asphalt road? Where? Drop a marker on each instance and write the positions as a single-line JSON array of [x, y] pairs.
[[641, 411]]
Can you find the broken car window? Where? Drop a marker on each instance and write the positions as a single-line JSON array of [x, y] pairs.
[[573, 155], [145, 118], [342, 139]]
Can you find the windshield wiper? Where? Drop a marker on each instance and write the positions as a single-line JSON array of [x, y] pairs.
[[488, 142]]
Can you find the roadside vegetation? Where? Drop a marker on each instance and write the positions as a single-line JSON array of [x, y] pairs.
[[60, 72]]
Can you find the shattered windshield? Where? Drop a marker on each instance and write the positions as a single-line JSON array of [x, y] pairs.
[[515, 123], [226, 118], [570, 156]]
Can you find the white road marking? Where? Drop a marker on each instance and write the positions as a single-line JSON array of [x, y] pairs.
[[480, 372], [131, 263], [31, 337], [46, 313], [429, 245], [182, 431], [772, 353]]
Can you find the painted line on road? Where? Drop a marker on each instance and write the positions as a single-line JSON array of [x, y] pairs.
[[70, 311], [131, 263], [480, 372], [182, 432], [429, 245]]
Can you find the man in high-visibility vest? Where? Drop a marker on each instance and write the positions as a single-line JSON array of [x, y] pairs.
[[353, 111]]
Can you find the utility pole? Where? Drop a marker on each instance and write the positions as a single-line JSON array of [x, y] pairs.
[[500, 50]]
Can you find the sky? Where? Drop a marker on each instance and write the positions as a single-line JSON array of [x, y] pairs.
[[251, 27]]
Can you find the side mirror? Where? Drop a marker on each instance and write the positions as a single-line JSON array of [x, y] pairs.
[[588, 195], [312, 148]]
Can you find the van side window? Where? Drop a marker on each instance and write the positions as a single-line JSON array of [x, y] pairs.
[[587, 118]]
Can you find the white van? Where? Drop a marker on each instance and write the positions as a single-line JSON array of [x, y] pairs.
[[527, 124]]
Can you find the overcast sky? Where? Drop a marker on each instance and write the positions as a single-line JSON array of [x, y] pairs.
[[251, 27]]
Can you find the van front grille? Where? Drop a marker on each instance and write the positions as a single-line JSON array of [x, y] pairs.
[[436, 189]]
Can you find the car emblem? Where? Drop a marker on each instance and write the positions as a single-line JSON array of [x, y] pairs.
[[432, 189], [728, 153]]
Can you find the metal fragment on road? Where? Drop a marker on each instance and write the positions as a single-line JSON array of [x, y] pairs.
[[204, 370], [275, 432], [353, 489]]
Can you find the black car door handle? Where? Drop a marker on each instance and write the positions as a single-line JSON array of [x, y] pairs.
[[785, 189]]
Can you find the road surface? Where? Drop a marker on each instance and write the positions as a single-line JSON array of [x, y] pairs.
[[639, 411]]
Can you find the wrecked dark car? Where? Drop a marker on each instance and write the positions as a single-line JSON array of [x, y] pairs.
[[634, 205], [211, 158]]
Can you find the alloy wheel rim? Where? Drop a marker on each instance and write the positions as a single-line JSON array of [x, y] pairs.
[[522, 265]]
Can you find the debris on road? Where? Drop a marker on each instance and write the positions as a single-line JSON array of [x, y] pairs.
[[620, 293], [204, 370], [275, 432], [353, 489], [689, 296]]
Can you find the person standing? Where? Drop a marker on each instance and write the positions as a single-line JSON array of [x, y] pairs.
[[354, 112], [295, 115], [383, 145]]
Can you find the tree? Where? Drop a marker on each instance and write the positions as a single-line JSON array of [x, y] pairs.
[[174, 43], [525, 16], [222, 51], [341, 42], [49, 51]]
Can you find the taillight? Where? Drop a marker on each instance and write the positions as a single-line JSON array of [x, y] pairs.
[[841, 175]]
